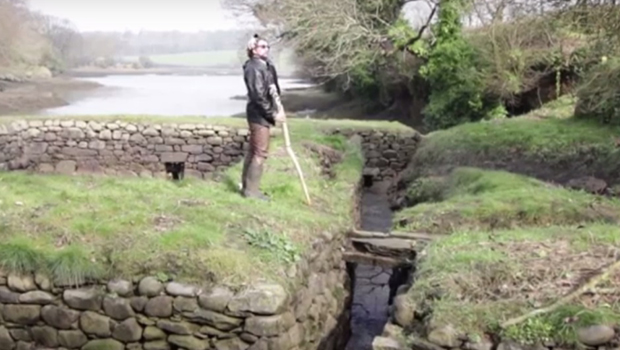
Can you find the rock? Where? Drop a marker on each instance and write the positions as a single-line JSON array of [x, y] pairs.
[[8, 297], [157, 345], [128, 331], [121, 287], [57, 317], [36, 297], [159, 307], [403, 311], [392, 331], [25, 346], [21, 334], [182, 304], [482, 345], [66, 167], [269, 325], [262, 299], [383, 343], [290, 339], [22, 314], [188, 342], [216, 299], [83, 299], [445, 336], [153, 333], [182, 328], [101, 344], [595, 335], [589, 184], [6, 342], [138, 303], [150, 132], [150, 287], [509, 345], [181, 290], [211, 318], [43, 282], [71, 339], [261, 344], [231, 344], [213, 332], [46, 336], [248, 338], [173, 157], [117, 308], [95, 324], [21, 283]]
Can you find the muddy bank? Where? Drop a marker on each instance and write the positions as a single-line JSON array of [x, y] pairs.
[[37, 94]]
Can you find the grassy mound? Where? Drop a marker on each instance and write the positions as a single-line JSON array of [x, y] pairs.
[[481, 199], [599, 94], [545, 144], [88, 226], [475, 280], [515, 244]]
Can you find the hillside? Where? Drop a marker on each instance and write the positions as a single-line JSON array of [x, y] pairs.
[[524, 211]]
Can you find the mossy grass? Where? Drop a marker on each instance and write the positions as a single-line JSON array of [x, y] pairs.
[[541, 142], [514, 243], [78, 227], [480, 199], [475, 280]]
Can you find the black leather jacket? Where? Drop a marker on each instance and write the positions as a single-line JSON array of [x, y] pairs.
[[258, 75]]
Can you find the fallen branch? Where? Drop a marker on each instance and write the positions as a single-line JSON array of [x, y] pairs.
[[604, 274], [418, 236]]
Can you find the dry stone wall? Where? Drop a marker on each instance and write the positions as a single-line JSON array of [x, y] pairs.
[[151, 315], [143, 149], [387, 154]]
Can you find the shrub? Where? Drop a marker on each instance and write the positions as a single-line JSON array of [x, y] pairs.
[[598, 97]]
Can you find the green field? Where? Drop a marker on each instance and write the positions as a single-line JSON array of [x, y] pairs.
[[219, 58]]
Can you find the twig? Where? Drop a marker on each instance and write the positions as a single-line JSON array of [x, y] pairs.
[[603, 274]]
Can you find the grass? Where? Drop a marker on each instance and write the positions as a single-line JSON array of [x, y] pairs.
[[216, 58], [475, 280], [96, 226], [513, 243], [545, 139], [479, 199]]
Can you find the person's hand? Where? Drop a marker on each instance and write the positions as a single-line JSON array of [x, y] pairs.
[[280, 116]]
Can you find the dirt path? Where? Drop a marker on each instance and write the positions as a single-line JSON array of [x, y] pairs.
[[31, 96]]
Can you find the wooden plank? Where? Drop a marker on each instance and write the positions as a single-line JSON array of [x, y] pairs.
[[373, 259], [418, 236]]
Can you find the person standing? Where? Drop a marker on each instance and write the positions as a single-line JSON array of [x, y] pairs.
[[264, 109]]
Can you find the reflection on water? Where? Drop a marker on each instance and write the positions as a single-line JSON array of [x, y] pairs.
[[167, 95]]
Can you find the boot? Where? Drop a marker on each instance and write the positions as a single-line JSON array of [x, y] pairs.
[[244, 173], [252, 182]]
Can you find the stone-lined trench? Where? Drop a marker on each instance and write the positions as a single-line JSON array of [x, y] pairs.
[[338, 303]]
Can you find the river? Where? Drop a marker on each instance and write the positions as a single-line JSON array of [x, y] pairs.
[[162, 95]]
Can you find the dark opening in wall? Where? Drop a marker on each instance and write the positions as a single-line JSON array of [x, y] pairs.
[[367, 180], [175, 170]]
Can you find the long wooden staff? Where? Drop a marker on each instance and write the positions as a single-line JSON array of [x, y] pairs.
[[289, 150]]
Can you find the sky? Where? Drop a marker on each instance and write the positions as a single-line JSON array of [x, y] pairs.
[[136, 15]]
